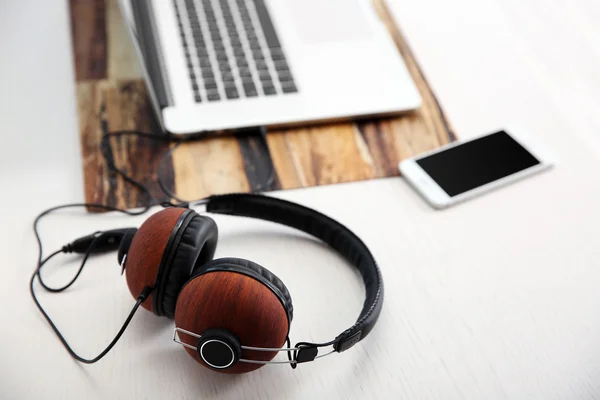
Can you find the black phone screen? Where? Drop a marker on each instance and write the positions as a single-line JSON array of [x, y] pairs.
[[477, 162]]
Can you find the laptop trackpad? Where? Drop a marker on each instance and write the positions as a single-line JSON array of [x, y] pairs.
[[318, 21]]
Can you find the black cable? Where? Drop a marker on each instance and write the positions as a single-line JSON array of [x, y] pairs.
[[42, 261], [147, 202], [107, 154], [141, 298], [64, 250], [288, 344], [108, 158]]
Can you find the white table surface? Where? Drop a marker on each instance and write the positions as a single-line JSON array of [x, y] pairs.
[[496, 298]]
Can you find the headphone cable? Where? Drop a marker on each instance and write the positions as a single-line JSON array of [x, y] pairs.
[[148, 202], [140, 299], [41, 261]]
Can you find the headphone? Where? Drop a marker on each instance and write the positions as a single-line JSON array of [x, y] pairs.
[[231, 314]]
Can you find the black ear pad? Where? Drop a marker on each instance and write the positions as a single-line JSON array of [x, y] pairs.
[[255, 271], [196, 246]]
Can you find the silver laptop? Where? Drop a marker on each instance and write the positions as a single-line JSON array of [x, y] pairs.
[[229, 64]]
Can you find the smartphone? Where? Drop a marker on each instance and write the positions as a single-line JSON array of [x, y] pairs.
[[462, 170]]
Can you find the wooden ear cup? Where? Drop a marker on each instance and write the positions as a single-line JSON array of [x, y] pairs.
[[146, 251], [237, 304]]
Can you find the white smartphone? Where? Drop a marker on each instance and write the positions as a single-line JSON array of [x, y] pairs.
[[465, 169]]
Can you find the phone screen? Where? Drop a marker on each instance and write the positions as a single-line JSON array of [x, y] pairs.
[[477, 162]]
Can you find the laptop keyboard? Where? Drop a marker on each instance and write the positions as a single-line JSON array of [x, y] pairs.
[[232, 50]]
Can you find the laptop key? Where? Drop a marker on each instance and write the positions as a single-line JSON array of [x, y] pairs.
[[288, 87], [281, 65], [232, 93], [210, 85], [266, 79], [264, 74], [207, 74], [284, 76], [245, 71], [227, 76], [212, 96], [277, 57], [198, 98], [269, 90], [204, 62], [250, 89], [262, 65]]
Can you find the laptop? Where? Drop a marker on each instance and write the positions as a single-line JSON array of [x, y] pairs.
[[214, 65]]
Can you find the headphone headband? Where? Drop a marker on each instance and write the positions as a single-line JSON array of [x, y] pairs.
[[329, 231]]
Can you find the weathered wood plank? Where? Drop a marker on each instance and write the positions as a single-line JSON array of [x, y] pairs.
[[289, 175], [89, 104], [211, 166], [106, 106], [258, 163], [88, 32]]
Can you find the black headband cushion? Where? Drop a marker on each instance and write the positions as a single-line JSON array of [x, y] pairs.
[[329, 231], [196, 246], [255, 271]]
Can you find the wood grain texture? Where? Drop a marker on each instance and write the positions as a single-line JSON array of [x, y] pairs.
[[146, 251], [88, 30], [213, 166], [237, 303], [107, 106], [285, 159]]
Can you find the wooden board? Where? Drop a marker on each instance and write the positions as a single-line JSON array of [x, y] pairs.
[[111, 96]]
